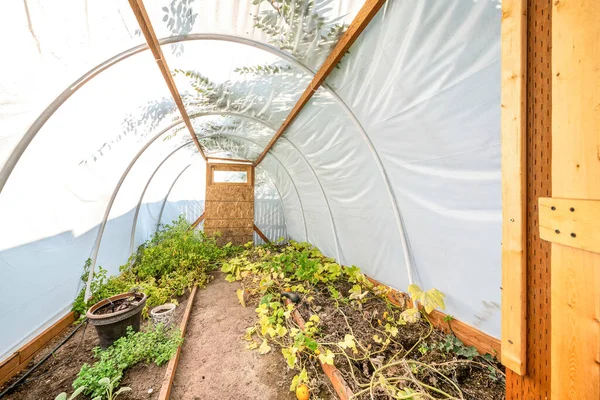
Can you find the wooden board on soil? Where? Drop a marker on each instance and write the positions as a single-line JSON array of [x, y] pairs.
[[57, 374]]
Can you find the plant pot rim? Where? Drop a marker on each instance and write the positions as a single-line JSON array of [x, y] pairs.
[[110, 318], [163, 307]]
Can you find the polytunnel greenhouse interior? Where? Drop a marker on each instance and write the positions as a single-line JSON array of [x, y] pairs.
[[294, 199]]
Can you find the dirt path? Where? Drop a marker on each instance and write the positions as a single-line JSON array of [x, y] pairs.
[[214, 363]]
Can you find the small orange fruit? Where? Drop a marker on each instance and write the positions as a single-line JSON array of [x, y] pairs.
[[287, 289], [302, 392], [317, 352]]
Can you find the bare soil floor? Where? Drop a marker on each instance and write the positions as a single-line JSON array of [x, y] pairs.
[[214, 363]]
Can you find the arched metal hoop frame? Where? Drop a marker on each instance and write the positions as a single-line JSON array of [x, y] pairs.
[[49, 111], [162, 207], [113, 197]]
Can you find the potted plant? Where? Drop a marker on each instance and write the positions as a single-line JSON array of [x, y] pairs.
[[113, 315]]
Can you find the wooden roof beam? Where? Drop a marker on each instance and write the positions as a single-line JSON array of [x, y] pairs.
[[364, 16], [146, 27]]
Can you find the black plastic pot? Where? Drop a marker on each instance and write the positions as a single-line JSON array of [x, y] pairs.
[[112, 326]]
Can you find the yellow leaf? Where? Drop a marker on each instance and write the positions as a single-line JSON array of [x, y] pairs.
[[264, 347], [240, 296]]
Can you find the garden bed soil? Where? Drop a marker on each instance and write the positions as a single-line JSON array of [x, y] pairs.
[[119, 305], [57, 374], [214, 363], [474, 378]]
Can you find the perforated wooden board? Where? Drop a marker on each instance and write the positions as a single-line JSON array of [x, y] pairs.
[[536, 384]]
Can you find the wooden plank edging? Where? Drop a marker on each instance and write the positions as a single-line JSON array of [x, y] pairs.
[[19, 360], [335, 377], [165, 390]]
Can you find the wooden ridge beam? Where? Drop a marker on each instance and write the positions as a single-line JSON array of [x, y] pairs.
[[146, 27], [364, 16]]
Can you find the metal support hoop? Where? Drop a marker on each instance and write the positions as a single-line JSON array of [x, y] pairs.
[[139, 203], [283, 206], [103, 226], [331, 220], [162, 207], [113, 196], [49, 111]]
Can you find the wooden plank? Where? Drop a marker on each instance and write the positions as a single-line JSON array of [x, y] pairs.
[[212, 167], [229, 209], [575, 272], [21, 358], [165, 390], [262, 235], [469, 335], [233, 160], [7, 366], [215, 223], [360, 22], [146, 27], [571, 222], [198, 221], [536, 383], [514, 234], [219, 192], [338, 382]]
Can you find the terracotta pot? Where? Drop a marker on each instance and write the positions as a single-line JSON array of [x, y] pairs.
[[112, 326]]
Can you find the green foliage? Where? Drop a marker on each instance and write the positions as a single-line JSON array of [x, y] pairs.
[[298, 27], [452, 344], [110, 386], [174, 259], [157, 345], [63, 395]]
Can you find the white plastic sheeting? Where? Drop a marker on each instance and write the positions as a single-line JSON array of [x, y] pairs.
[[394, 166]]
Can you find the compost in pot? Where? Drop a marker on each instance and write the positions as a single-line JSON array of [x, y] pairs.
[[113, 315]]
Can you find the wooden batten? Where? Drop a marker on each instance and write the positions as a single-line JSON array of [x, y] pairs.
[[575, 304], [262, 235], [19, 360], [514, 200]]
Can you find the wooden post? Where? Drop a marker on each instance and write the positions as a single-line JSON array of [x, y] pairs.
[[575, 272], [514, 201]]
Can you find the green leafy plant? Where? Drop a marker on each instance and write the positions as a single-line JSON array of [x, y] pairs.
[[63, 395], [157, 345], [110, 386], [452, 344], [174, 259]]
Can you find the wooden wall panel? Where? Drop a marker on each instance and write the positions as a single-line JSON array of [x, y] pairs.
[[575, 175], [535, 385], [229, 207], [226, 192]]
